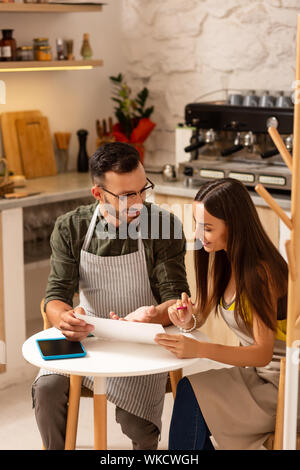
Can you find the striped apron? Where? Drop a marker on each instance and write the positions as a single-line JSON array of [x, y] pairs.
[[120, 284], [239, 403]]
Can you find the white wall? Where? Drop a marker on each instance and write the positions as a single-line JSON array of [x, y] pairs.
[[70, 99], [181, 50]]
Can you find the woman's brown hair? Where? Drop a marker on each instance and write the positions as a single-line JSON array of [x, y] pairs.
[[261, 273]]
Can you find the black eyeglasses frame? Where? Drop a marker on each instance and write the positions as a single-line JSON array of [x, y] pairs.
[[125, 196]]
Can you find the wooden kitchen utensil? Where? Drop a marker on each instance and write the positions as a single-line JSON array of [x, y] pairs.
[[10, 138], [36, 147], [62, 140], [20, 195], [104, 132], [6, 186]]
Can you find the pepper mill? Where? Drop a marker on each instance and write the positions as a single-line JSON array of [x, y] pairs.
[[83, 159]]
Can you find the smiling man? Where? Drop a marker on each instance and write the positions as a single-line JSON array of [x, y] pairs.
[[118, 276]]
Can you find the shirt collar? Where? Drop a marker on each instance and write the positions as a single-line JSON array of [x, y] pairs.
[[104, 226]]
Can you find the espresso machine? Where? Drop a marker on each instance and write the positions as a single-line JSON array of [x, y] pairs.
[[229, 138]]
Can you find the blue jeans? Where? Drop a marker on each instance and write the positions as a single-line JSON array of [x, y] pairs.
[[188, 429]]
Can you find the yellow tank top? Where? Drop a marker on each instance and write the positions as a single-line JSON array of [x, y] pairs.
[[281, 324]]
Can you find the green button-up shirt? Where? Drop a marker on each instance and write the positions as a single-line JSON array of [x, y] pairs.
[[162, 236]]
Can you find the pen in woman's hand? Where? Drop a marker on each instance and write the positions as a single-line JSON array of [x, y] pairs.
[[184, 307]]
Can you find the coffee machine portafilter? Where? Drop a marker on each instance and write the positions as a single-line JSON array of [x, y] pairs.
[[233, 141]]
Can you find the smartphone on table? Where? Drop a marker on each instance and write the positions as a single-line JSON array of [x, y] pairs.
[[60, 348]]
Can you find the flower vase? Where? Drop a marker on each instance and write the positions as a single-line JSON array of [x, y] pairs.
[[141, 149]]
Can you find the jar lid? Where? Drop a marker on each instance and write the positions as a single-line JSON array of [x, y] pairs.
[[24, 48], [40, 39], [43, 48]]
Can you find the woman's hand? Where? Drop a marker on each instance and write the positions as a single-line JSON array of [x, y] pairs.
[[180, 345], [181, 312]]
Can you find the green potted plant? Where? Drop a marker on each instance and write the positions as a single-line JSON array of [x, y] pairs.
[[134, 124]]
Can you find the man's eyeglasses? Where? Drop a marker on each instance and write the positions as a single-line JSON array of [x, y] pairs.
[[143, 193]]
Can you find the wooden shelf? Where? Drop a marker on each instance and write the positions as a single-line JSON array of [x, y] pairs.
[[23, 66], [47, 8]]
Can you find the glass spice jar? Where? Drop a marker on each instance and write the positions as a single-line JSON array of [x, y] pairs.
[[37, 43], [8, 46], [44, 53], [24, 53]]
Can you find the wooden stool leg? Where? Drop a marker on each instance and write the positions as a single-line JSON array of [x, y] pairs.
[[175, 376], [100, 414], [278, 436], [291, 395], [73, 410]]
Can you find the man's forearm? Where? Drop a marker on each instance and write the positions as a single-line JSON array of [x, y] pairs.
[[163, 311], [54, 310]]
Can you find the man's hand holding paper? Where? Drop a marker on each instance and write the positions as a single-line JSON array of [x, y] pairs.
[[145, 314]]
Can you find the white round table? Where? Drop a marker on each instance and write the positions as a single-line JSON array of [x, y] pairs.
[[108, 359]]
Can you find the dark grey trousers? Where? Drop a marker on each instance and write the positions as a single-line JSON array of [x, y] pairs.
[[50, 400]]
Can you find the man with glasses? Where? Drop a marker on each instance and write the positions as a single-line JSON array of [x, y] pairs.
[[118, 276]]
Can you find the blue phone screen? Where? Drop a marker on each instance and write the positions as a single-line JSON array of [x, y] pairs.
[[60, 347]]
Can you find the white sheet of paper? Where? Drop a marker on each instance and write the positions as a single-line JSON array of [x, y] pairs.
[[118, 330]]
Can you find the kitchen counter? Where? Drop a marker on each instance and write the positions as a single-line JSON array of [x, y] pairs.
[[57, 188], [73, 185], [177, 188]]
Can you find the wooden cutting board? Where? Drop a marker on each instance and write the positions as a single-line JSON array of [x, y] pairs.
[[36, 147], [10, 138]]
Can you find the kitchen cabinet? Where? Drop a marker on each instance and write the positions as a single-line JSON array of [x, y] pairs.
[[12, 297], [215, 327], [47, 8]]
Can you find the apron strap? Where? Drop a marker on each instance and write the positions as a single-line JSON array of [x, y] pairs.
[[140, 243], [91, 228]]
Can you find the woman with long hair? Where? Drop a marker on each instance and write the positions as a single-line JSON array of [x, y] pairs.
[[241, 276]]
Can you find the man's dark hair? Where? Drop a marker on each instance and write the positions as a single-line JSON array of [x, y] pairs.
[[114, 156]]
